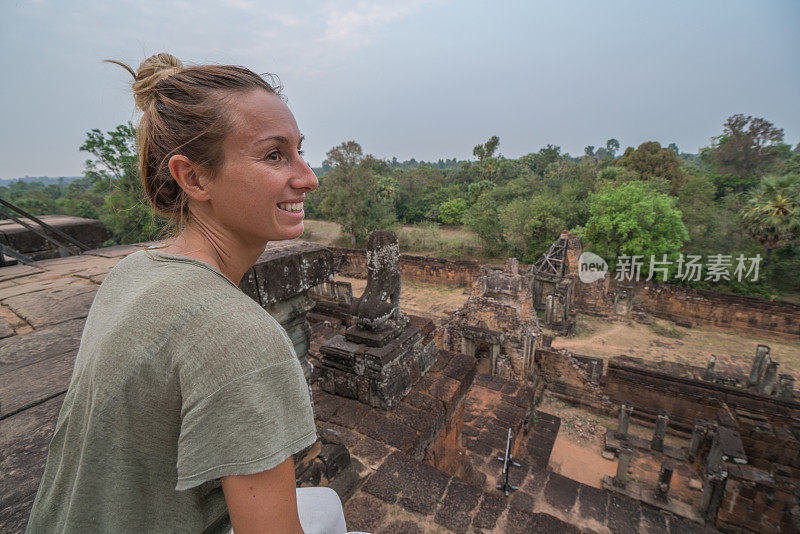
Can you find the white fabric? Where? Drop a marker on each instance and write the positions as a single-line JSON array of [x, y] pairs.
[[320, 511]]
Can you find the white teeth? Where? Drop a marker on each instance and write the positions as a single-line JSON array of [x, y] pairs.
[[291, 206]]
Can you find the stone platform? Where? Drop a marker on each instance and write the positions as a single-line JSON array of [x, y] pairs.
[[352, 366]]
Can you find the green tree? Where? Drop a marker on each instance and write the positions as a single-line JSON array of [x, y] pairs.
[[487, 149], [539, 161], [420, 191], [114, 173], [358, 197], [746, 150], [772, 211], [81, 200], [452, 211], [531, 225], [652, 161], [701, 214], [612, 145], [483, 219], [633, 219]]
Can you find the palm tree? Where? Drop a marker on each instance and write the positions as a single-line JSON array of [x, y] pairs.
[[772, 211]]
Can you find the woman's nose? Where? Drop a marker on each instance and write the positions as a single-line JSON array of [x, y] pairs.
[[305, 178]]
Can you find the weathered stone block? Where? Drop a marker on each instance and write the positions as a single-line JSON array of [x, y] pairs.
[[340, 353], [491, 507], [364, 513], [356, 334], [427, 357], [561, 492], [288, 268], [377, 357], [387, 393], [335, 458], [457, 506]]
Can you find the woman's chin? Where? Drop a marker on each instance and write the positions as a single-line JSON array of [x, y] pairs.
[[291, 232]]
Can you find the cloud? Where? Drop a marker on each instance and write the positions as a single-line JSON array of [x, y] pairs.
[[356, 26]]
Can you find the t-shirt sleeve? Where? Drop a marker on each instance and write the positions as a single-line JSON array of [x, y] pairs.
[[245, 405]]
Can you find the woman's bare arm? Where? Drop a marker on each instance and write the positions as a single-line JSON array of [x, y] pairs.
[[263, 502]]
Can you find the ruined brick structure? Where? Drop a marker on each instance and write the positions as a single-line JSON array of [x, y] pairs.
[[302, 266], [497, 324], [554, 277], [411, 431], [682, 390]]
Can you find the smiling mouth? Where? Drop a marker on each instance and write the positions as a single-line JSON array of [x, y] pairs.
[[292, 207]]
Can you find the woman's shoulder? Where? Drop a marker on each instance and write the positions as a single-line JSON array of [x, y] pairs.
[[167, 278], [176, 290]]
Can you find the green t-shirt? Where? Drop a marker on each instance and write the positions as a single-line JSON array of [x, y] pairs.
[[180, 379]]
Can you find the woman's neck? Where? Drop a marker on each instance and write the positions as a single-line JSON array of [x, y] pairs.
[[232, 257]]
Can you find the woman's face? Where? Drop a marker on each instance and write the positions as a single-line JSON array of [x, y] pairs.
[[258, 192]]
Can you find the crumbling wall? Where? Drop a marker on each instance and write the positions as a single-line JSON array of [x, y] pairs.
[[769, 444], [353, 262], [687, 399], [498, 324], [569, 378], [755, 501], [90, 232], [595, 298], [697, 306]]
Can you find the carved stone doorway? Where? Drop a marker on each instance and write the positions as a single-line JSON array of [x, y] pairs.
[[483, 353]]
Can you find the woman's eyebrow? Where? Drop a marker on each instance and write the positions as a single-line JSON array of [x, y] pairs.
[[279, 138]]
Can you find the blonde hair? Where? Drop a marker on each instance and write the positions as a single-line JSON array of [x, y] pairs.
[[184, 112]]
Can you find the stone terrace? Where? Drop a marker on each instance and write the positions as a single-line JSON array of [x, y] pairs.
[[406, 496]]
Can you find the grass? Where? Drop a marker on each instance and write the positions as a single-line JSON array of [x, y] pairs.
[[583, 328], [666, 330], [446, 242], [426, 239]]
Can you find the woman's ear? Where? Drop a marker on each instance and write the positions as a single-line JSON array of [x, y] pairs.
[[189, 176]]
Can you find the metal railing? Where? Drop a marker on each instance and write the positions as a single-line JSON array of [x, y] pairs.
[[65, 243]]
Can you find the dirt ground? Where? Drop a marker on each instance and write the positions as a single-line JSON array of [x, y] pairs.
[[578, 451], [605, 339]]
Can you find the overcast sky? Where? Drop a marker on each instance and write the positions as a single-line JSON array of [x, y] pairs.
[[412, 78]]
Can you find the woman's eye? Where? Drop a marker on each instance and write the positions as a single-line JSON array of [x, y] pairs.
[[274, 155], [301, 152]]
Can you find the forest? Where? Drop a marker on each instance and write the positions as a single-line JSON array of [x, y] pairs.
[[739, 196]]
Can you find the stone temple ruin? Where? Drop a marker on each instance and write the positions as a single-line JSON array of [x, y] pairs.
[[497, 324], [413, 413]]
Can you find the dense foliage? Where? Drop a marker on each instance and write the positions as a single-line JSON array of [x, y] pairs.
[[110, 190], [739, 195], [634, 219]]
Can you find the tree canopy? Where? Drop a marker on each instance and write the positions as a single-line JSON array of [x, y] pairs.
[[357, 195], [633, 219]]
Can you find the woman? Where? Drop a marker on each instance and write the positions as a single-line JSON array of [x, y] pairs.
[[182, 381]]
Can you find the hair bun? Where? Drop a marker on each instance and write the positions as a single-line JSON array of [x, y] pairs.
[[151, 71]]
